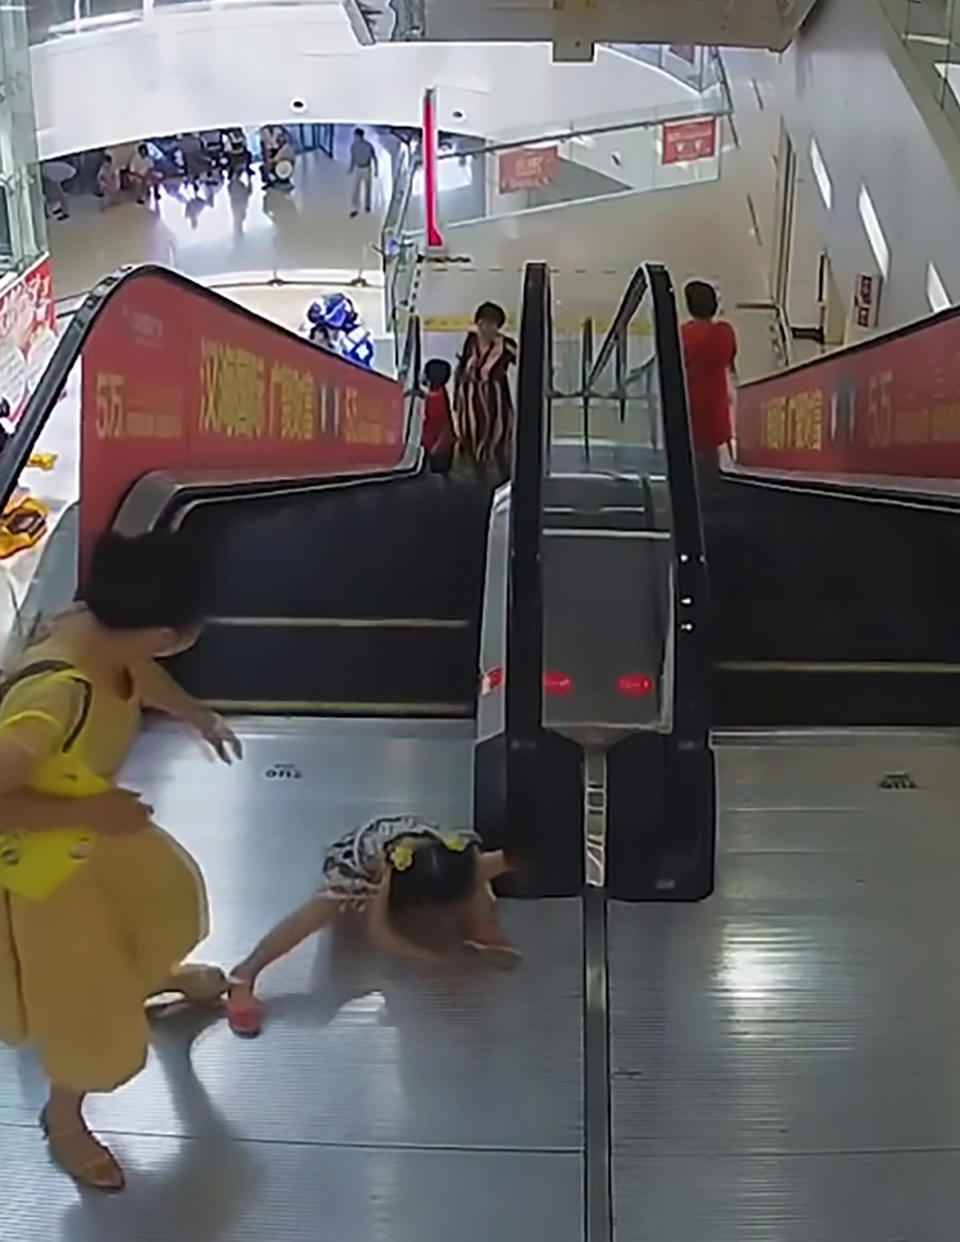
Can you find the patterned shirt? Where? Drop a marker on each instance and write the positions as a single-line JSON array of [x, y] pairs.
[[355, 865]]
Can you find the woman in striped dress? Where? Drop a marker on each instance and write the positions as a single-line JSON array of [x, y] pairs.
[[483, 406]]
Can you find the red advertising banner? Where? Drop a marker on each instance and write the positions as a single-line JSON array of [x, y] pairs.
[[174, 379], [890, 406], [686, 141], [528, 168], [28, 333]]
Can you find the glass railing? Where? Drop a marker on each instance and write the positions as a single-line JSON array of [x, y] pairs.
[[560, 168], [930, 31], [697, 67]]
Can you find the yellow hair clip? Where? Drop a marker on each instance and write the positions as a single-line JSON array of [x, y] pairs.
[[456, 843], [401, 857]]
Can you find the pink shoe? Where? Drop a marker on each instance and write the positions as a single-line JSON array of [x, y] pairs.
[[245, 1014], [492, 942]]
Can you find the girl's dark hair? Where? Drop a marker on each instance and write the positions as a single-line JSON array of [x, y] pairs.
[[490, 312], [437, 372], [146, 581], [437, 876]]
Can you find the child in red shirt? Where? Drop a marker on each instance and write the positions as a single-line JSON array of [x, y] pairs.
[[437, 436], [709, 352]]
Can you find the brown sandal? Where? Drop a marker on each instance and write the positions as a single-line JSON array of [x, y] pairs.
[[85, 1159], [199, 984]]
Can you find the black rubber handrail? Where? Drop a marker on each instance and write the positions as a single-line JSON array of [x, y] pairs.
[[629, 305], [43, 399], [691, 712], [524, 684]]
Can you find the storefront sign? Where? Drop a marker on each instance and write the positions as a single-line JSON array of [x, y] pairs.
[[891, 406], [528, 168], [28, 325], [686, 141], [174, 379], [866, 301]]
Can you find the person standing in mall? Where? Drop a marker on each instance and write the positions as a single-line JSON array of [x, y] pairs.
[[363, 169], [482, 402], [143, 175], [709, 355]]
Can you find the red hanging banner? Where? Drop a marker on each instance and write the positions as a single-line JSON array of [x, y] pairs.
[[686, 141], [528, 168], [431, 212]]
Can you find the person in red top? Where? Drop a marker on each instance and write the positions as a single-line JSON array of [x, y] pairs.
[[709, 353], [437, 436]]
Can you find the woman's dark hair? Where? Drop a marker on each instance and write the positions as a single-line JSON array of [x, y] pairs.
[[701, 299], [157, 580], [437, 372], [436, 876], [490, 312]]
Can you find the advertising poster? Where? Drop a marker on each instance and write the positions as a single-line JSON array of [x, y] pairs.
[[687, 141], [28, 335], [890, 407], [176, 380]]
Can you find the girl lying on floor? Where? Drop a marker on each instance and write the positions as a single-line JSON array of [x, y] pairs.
[[391, 869]]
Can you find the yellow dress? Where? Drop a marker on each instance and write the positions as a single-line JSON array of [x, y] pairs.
[[76, 968]]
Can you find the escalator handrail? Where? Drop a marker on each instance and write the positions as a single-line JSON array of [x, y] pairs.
[[691, 709], [43, 399], [847, 489], [523, 695], [629, 305]]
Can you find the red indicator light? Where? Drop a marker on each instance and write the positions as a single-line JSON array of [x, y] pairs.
[[635, 685], [557, 683], [492, 680]]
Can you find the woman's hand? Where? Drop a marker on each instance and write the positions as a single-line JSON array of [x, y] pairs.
[[217, 734], [118, 813]]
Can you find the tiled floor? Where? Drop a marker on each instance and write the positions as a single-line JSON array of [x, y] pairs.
[[228, 228]]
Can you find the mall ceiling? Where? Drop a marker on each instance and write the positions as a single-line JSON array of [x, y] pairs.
[[575, 26]]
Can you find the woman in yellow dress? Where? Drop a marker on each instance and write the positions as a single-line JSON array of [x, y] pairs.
[[127, 904]]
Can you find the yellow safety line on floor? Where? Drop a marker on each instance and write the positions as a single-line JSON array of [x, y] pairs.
[[562, 327]]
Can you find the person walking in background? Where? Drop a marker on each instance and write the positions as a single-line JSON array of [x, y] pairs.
[[363, 169], [144, 178], [709, 354], [108, 181], [55, 174], [482, 402]]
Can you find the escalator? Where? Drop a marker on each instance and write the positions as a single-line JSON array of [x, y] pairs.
[[833, 599], [348, 603], [657, 1057]]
